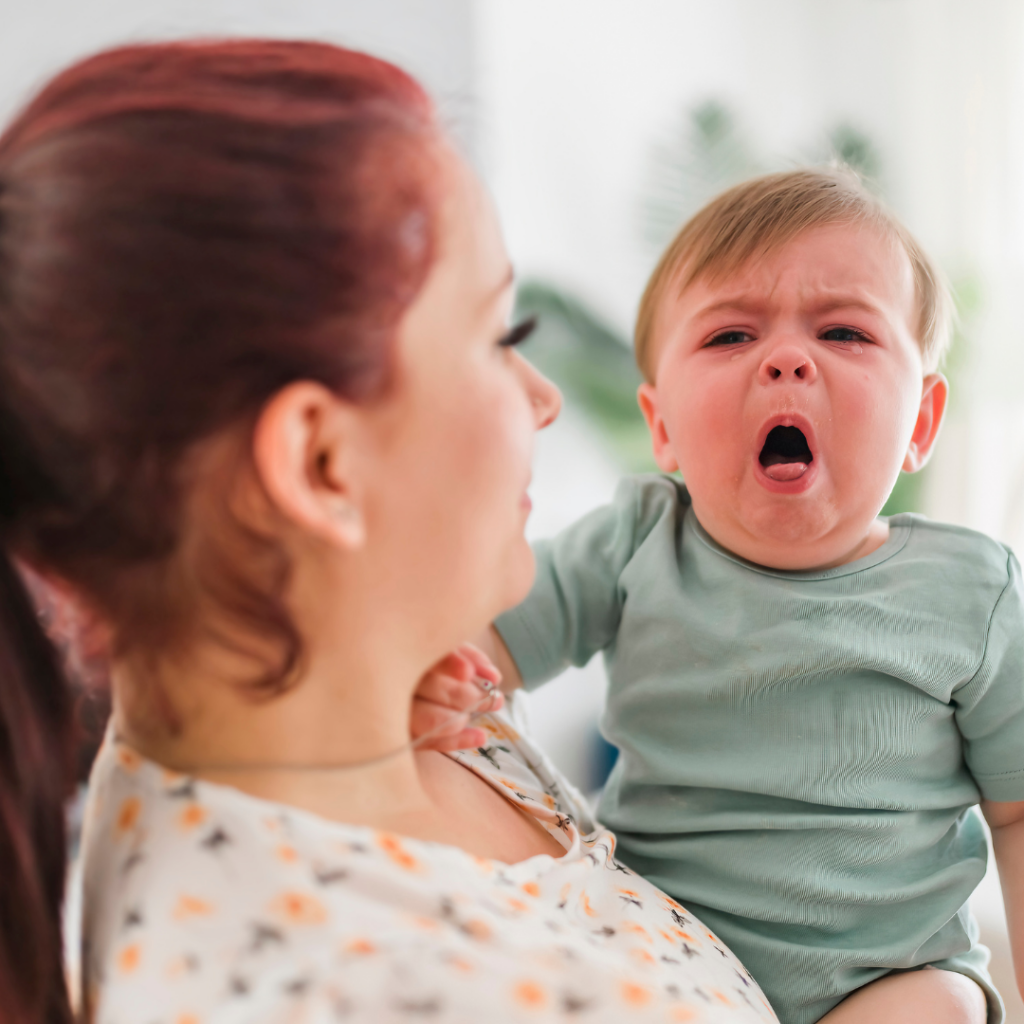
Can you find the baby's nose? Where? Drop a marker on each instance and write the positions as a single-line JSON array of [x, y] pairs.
[[787, 363]]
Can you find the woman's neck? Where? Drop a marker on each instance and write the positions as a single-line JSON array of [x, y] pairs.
[[336, 743]]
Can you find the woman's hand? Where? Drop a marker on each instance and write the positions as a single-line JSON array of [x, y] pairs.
[[446, 693]]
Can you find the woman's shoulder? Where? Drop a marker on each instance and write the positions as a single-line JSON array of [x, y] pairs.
[[514, 761], [205, 902]]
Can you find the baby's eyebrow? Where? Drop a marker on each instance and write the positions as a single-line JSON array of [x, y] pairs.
[[827, 303], [832, 302], [732, 305]]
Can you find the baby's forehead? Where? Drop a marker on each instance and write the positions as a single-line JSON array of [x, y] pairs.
[[831, 264]]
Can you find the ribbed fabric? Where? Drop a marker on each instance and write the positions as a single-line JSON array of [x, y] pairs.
[[800, 752]]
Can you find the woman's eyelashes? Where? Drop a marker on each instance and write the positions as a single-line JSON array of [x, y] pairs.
[[518, 333]]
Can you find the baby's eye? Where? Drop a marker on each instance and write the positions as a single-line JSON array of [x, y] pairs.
[[843, 334], [729, 338]]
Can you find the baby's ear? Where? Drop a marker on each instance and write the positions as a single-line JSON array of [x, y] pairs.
[[929, 419], [664, 454]]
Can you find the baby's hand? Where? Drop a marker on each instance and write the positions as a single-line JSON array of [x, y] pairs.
[[445, 694]]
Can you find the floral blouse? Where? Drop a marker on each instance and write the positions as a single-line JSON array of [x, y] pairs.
[[203, 905]]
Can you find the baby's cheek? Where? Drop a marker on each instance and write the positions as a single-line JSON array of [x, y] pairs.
[[709, 440]]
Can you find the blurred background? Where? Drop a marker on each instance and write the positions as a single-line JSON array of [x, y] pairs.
[[600, 126]]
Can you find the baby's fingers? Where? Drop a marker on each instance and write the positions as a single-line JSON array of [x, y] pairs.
[[449, 691], [483, 667], [436, 727]]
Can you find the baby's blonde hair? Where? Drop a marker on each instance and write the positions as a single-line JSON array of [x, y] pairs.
[[758, 217]]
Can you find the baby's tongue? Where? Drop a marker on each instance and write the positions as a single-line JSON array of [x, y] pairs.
[[783, 471]]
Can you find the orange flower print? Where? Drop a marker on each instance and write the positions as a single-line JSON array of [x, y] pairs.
[[634, 994], [682, 1014], [298, 908], [398, 854], [530, 995], [128, 814], [360, 947], [636, 929], [128, 759], [587, 908], [721, 997], [499, 730], [191, 816], [187, 1018], [548, 801], [531, 888], [191, 906], [642, 955], [477, 929], [287, 854], [427, 924], [129, 957]]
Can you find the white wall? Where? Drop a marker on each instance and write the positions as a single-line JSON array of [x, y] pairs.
[[433, 39]]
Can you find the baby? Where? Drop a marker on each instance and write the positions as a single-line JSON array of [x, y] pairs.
[[808, 700]]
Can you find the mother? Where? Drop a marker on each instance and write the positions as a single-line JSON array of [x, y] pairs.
[[261, 418]]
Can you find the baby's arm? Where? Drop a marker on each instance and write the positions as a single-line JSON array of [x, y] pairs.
[[494, 647], [1007, 823]]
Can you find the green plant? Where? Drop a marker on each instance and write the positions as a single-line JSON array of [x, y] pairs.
[[593, 365], [706, 154]]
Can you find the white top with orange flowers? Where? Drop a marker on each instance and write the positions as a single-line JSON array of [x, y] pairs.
[[203, 905]]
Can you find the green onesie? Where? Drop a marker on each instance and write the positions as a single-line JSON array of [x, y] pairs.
[[800, 751]]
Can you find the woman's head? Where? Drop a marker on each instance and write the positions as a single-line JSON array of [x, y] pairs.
[[184, 230], [250, 311]]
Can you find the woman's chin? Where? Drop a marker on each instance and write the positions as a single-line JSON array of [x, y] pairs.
[[519, 577]]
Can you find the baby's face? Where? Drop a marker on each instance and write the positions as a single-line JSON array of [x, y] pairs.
[[791, 393]]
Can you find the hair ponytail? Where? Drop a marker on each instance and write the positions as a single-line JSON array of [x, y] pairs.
[[35, 746]]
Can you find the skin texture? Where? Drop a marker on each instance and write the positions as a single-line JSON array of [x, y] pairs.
[[821, 336], [403, 519]]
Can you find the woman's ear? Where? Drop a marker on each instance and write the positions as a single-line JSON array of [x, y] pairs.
[[302, 449], [929, 419], [664, 453]]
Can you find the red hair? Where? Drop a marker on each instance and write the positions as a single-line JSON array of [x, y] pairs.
[[184, 229]]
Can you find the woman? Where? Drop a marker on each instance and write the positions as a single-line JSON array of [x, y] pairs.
[[261, 417]]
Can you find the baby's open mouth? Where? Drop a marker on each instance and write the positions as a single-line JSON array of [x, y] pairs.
[[785, 455]]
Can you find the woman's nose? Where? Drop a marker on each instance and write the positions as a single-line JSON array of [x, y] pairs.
[[787, 363], [545, 397]]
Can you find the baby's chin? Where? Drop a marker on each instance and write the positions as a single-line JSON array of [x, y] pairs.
[[791, 536]]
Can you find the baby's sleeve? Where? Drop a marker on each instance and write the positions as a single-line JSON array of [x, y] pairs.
[[573, 610], [990, 708]]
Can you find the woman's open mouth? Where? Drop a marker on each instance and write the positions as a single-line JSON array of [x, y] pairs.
[[785, 455]]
